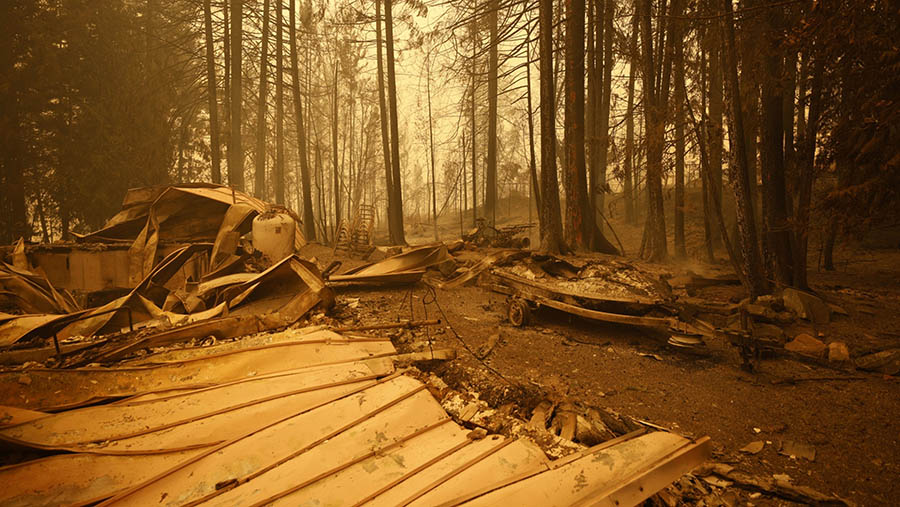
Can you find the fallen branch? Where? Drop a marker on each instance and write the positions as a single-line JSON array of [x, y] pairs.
[[794, 380], [777, 487], [621, 248]]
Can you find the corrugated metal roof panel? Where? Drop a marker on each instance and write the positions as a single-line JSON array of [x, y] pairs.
[[341, 431]]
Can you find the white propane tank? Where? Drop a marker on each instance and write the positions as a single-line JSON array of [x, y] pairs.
[[273, 235]]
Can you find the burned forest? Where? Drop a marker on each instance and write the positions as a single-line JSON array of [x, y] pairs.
[[422, 252]]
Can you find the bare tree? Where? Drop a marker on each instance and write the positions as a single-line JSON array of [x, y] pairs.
[[235, 153], [336, 172], [772, 152], [806, 176], [431, 147], [395, 136], [743, 196], [654, 119], [598, 179], [309, 226], [259, 180], [628, 191], [473, 89], [490, 192], [680, 70], [278, 175], [579, 217], [532, 164], [551, 222], [393, 226], [214, 148], [715, 130]]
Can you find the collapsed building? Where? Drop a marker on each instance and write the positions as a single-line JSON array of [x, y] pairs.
[[173, 357]]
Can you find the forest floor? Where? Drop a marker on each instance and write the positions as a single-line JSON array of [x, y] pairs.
[[850, 418]]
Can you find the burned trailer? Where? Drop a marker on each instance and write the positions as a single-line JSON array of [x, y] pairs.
[[603, 290]]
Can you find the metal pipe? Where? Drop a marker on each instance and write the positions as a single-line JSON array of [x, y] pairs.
[[407, 324]]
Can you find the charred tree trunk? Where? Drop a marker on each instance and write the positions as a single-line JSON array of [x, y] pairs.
[[599, 184], [309, 221], [720, 219], [14, 185], [772, 153], [395, 139], [226, 82], [259, 180], [551, 223], [385, 139], [680, 249], [532, 164], [703, 147], [581, 228], [676, 49], [743, 195], [594, 69], [214, 148], [431, 149], [654, 132], [278, 175], [235, 151], [715, 130], [578, 214], [490, 195], [628, 192], [806, 165], [474, 30], [336, 171]]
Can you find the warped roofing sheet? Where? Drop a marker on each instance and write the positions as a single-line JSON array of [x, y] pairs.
[[407, 267], [321, 420], [56, 389], [185, 212]]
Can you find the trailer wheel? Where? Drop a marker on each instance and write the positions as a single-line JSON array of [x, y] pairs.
[[518, 312]]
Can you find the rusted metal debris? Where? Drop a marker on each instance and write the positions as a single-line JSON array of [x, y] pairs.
[[356, 237], [404, 324], [177, 290], [32, 293], [407, 267], [604, 290], [88, 385], [184, 414], [310, 416], [153, 222], [486, 235], [191, 213]]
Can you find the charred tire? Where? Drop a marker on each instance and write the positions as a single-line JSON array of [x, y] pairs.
[[518, 312]]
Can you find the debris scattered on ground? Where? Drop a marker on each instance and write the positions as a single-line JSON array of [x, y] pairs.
[[407, 267], [753, 447], [485, 235], [488, 347], [807, 306], [177, 370], [838, 352], [779, 485], [221, 425], [171, 292], [886, 361], [806, 344], [202, 322], [607, 291], [797, 450]]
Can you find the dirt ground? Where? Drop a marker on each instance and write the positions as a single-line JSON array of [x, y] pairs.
[[850, 418]]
